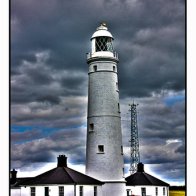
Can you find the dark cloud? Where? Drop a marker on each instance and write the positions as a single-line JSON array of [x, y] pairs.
[[49, 98], [175, 171], [181, 149], [49, 80], [153, 44], [25, 136], [38, 82], [70, 112], [46, 147]]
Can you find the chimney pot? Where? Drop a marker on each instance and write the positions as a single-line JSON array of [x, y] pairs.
[[61, 161], [140, 167], [13, 175]]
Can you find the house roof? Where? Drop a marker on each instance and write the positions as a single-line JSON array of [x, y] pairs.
[[19, 181], [142, 178], [62, 175]]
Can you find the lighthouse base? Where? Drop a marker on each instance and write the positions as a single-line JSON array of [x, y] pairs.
[[114, 188]]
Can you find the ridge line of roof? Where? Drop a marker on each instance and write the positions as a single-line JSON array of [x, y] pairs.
[[35, 177], [98, 181], [144, 173], [45, 172], [69, 174], [146, 176], [157, 179]]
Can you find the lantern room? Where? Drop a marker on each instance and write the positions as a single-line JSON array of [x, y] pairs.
[[102, 43]]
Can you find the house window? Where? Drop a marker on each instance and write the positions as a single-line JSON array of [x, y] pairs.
[[143, 191], [117, 86], [32, 191], [128, 192], [118, 107], [95, 67], [46, 191], [81, 190], [100, 148], [114, 68], [121, 150], [91, 127], [156, 191], [61, 190], [163, 190], [95, 190]]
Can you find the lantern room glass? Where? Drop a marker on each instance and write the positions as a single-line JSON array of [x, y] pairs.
[[103, 44]]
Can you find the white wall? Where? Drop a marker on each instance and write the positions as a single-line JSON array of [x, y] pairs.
[[88, 190], [104, 113], [25, 191], [150, 190], [114, 189], [53, 190], [15, 192]]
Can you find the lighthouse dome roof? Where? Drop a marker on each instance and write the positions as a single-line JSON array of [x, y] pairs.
[[102, 31]]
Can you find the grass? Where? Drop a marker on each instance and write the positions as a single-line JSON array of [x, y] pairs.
[[176, 193]]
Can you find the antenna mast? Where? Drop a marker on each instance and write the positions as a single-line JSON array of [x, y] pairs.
[[134, 141]]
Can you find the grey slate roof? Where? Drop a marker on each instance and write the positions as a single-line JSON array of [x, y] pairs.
[[142, 178], [62, 175], [18, 182], [59, 175]]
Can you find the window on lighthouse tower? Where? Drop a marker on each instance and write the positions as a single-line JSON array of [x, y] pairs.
[[91, 127], [100, 148], [95, 67], [104, 44]]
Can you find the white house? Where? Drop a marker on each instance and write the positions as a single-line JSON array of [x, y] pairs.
[[143, 184], [63, 180], [59, 181]]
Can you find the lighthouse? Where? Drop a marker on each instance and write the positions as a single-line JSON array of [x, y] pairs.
[[104, 154]]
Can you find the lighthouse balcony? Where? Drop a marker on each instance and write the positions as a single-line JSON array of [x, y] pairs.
[[102, 55]]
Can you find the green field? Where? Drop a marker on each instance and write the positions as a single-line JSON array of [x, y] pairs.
[[176, 193]]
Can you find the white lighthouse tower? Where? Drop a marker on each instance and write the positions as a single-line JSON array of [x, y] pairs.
[[104, 153]]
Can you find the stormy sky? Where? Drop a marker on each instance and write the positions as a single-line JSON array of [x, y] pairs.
[[49, 80]]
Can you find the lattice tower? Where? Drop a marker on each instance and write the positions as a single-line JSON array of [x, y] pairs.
[[134, 140]]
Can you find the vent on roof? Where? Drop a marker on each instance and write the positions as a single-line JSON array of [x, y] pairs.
[[140, 167], [62, 161]]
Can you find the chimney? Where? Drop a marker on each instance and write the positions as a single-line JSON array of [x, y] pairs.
[[13, 174], [62, 161], [140, 167]]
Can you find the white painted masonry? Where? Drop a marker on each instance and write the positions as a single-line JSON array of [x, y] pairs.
[[150, 190], [88, 190]]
